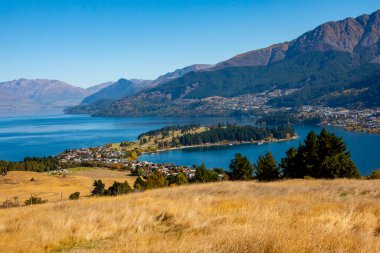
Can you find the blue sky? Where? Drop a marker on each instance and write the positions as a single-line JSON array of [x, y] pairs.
[[86, 42]]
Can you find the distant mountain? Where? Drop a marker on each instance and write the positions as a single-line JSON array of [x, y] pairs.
[[181, 72], [93, 89], [121, 88], [24, 96], [337, 63], [126, 88]]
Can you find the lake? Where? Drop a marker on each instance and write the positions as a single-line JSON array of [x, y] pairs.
[[50, 135]]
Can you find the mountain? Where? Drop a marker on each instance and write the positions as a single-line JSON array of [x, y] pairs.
[[24, 96], [119, 89], [126, 88], [336, 63], [93, 89], [181, 72]]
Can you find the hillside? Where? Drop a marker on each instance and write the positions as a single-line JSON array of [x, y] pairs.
[[127, 88], [324, 65], [18, 184], [287, 216]]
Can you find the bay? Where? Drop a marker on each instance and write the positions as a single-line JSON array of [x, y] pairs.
[[50, 135]]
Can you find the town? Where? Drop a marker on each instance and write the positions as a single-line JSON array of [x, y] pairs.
[[109, 157]]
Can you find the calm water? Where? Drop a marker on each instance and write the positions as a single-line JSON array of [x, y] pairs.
[[50, 135]]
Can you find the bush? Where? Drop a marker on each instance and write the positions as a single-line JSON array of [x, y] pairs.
[[35, 201], [74, 196], [375, 175]]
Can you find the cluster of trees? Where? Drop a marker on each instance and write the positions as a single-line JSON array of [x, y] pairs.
[[115, 189], [38, 164], [165, 131], [320, 156], [237, 133]]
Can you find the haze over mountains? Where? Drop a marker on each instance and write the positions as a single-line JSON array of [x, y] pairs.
[[335, 64]]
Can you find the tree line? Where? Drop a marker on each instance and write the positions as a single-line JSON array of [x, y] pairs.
[[237, 133]]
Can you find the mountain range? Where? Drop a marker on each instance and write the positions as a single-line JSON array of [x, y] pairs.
[[335, 64]]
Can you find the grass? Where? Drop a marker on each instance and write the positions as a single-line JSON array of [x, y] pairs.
[[287, 216], [18, 184]]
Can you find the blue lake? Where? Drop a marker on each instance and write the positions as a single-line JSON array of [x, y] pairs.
[[50, 135]]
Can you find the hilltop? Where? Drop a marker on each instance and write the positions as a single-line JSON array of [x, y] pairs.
[[287, 216]]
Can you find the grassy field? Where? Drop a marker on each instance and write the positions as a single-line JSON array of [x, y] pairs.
[[288, 216], [19, 184]]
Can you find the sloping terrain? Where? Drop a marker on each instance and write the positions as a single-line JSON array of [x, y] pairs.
[[287, 216]]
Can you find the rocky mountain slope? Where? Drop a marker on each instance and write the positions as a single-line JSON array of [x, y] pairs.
[[324, 65]]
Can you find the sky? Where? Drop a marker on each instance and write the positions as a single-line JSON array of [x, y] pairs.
[[87, 42]]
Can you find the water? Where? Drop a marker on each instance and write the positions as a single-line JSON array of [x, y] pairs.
[[50, 135]]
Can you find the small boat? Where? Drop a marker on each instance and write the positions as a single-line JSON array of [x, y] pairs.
[[260, 143]]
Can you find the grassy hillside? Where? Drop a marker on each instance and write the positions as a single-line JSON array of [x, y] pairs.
[[288, 216], [18, 183]]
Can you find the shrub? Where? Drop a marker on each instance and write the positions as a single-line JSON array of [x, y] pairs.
[[375, 174], [74, 196], [34, 201]]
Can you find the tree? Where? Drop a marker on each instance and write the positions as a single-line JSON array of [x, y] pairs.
[[74, 196], [288, 165], [241, 168], [140, 184], [266, 168], [118, 188], [156, 180], [323, 156], [98, 188], [178, 179], [201, 175], [134, 155]]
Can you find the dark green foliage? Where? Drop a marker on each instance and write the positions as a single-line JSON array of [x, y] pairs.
[[74, 196], [38, 164], [236, 133], [140, 184], [240, 168], [266, 168], [178, 179], [118, 188], [323, 156], [202, 175], [98, 188], [164, 131], [34, 201]]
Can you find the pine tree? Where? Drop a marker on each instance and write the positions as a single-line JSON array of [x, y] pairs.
[[241, 168], [288, 164], [266, 168], [201, 175]]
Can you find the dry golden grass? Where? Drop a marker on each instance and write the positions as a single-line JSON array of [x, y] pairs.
[[18, 183], [289, 216]]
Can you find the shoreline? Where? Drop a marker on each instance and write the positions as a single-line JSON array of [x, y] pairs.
[[225, 144]]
